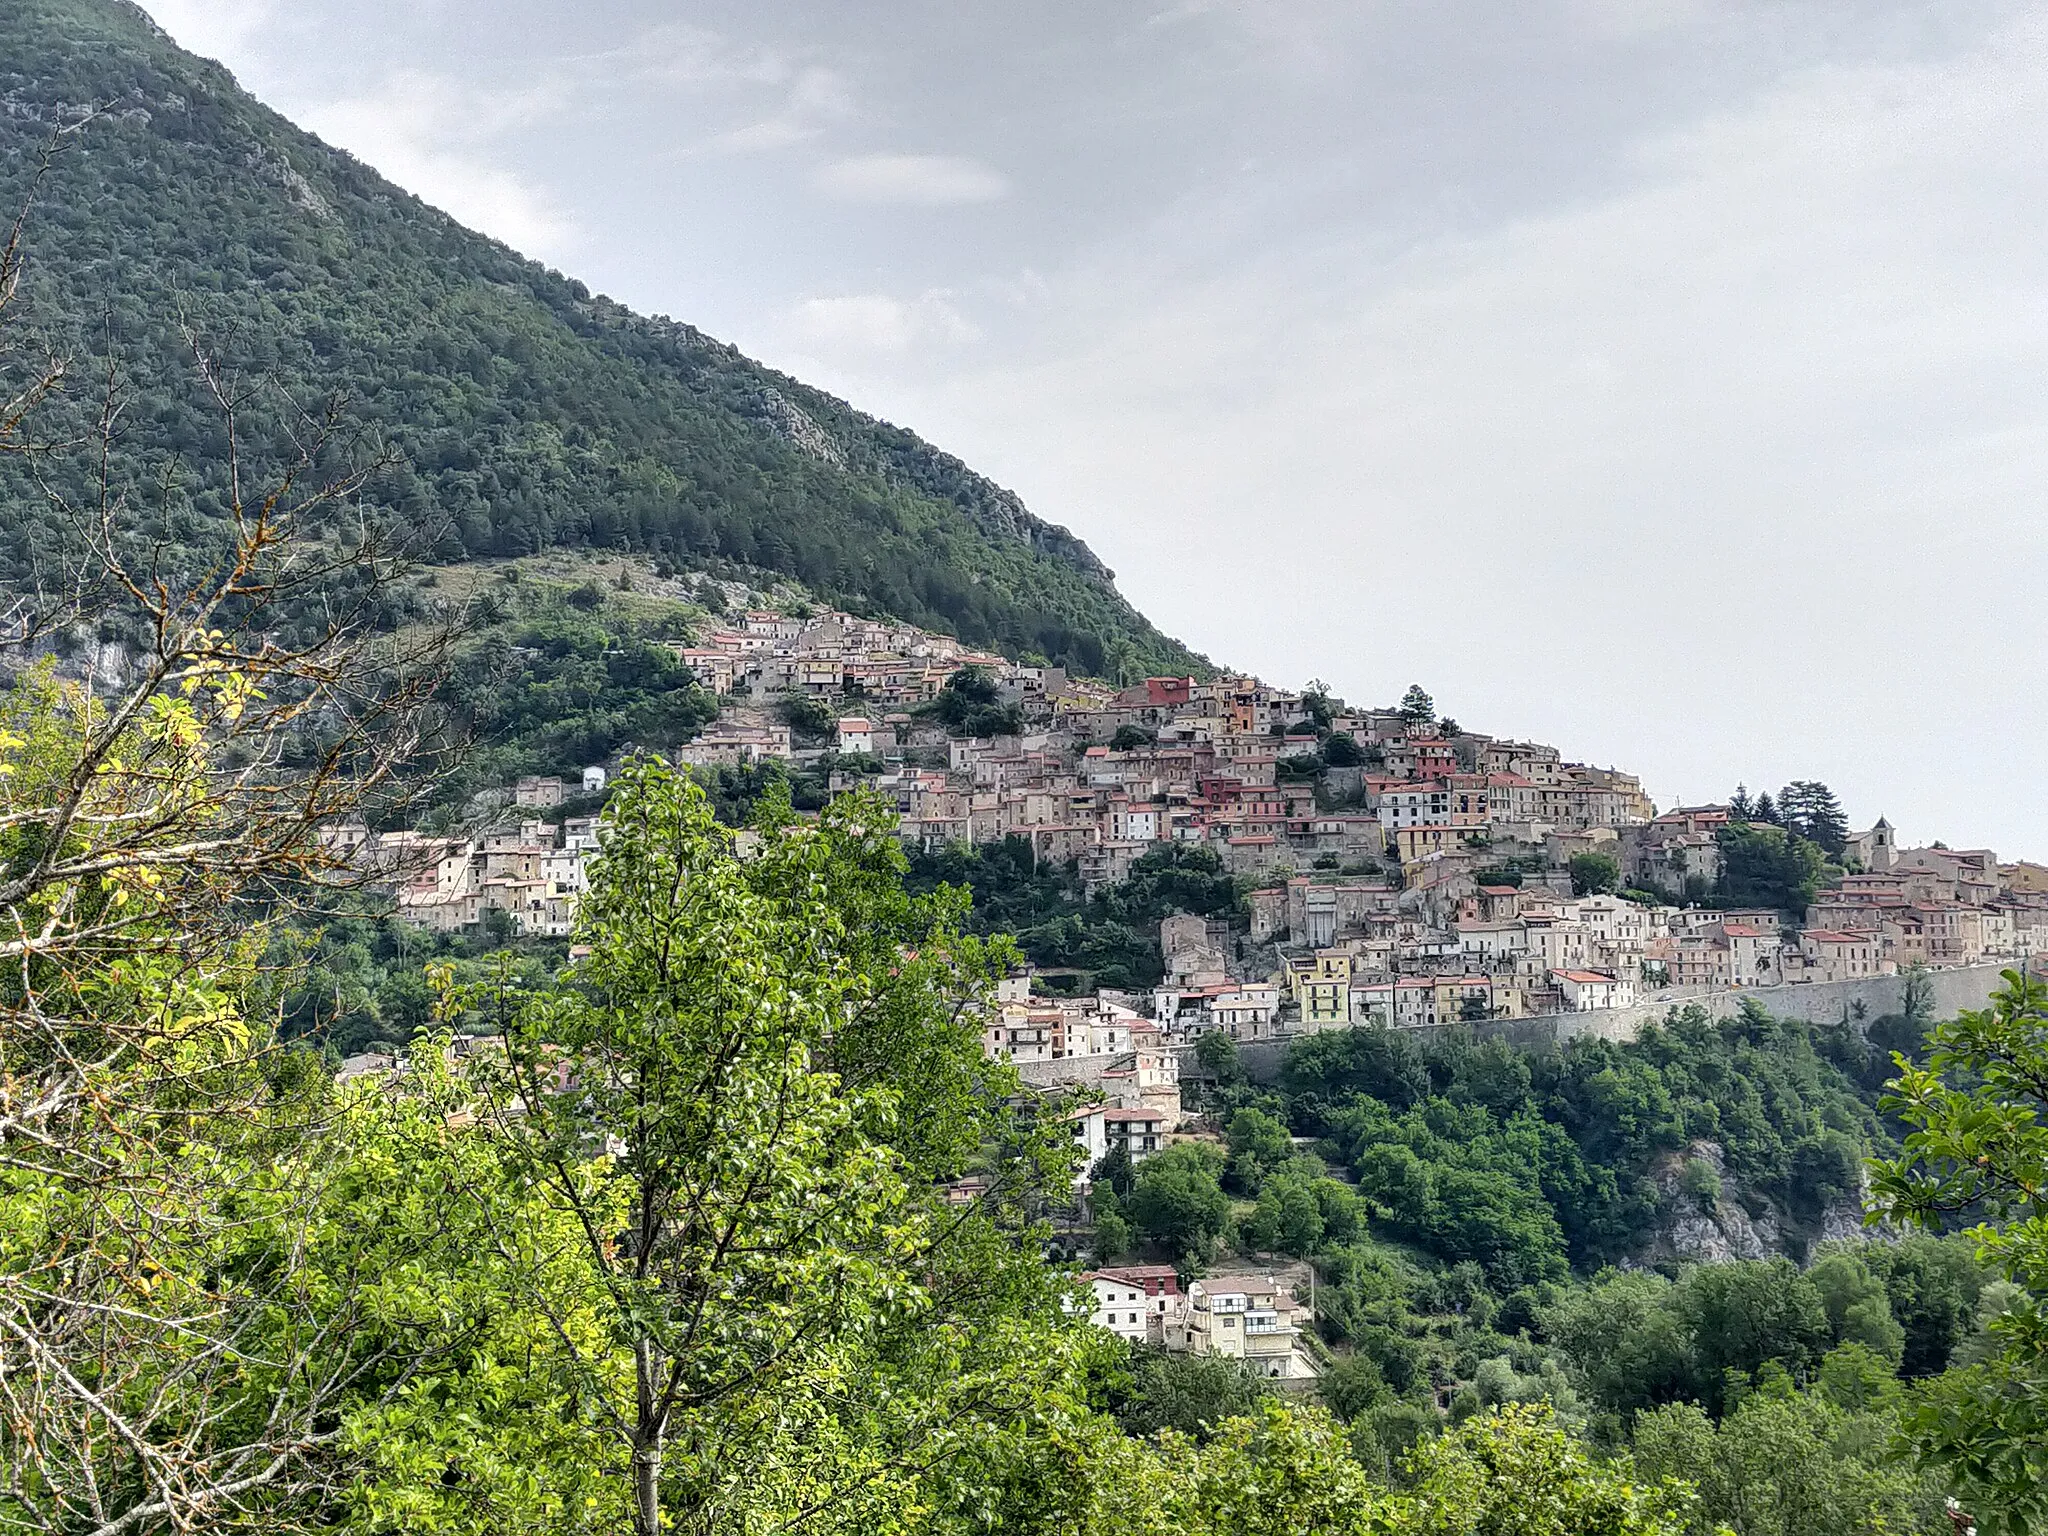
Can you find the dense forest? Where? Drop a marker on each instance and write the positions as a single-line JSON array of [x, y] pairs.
[[508, 409], [1492, 1225]]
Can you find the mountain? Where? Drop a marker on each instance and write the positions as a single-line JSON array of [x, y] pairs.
[[528, 412]]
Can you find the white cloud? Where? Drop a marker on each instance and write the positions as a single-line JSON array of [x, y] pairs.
[[878, 322], [927, 181], [221, 30], [434, 137], [815, 97]]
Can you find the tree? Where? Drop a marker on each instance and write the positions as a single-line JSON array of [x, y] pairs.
[[1745, 1316], [1177, 1201], [1217, 1053], [1341, 751], [1319, 705], [1190, 1394], [808, 718], [1594, 874], [1787, 1463], [1810, 808], [1515, 1472], [171, 1354], [1258, 1144], [1767, 866], [1979, 1147], [1859, 1310], [1130, 738], [712, 1095], [1417, 707], [971, 704]]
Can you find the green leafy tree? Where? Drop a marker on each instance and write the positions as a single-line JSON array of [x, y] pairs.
[[1809, 807], [1594, 874], [1190, 1394], [1217, 1053], [1744, 1317], [808, 719], [1341, 751], [1257, 1144], [1978, 1147], [750, 1227], [1177, 1199], [1858, 1307], [971, 704], [1130, 738], [1767, 866], [1787, 1463], [1516, 1472]]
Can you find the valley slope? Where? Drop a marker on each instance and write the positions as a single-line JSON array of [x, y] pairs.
[[526, 412]]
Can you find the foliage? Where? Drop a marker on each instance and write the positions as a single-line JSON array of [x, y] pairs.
[[1788, 1463], [773, 1063], [1301, 1210], [1809, 808], [1257, 1144], [1478, 1151], [971, 704], [548, 689], [1190, 1394], [1978, 1147], [1417, 707], [1341, 751], [1177, 1200], [1594, 874], [1112, 936], [1217, 1053], [1767, 866], [807, 718], [1516, 1473]]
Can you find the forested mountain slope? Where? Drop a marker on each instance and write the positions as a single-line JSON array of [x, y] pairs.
[[526, 412]]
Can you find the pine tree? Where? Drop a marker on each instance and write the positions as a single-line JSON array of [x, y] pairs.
[[1417, 707], [1810, 808], [1764, 810], [1739, 804]]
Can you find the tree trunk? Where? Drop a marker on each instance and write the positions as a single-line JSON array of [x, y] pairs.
[[647, 1437]]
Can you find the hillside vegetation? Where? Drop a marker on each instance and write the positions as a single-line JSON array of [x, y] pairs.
[[525, 412]]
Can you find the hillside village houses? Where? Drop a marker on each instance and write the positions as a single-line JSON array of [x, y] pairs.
[[1375, 897], [1249, 1317]]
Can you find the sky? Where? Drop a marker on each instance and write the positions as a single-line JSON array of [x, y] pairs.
[[1662, 379]]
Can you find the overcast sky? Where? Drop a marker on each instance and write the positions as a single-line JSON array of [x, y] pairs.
[[1656, 378]]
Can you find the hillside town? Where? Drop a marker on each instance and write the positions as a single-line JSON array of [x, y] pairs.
[[1401, 869]]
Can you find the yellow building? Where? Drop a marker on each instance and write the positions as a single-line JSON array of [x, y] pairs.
[[2024, 878], [1321, 986], [1473, 998]]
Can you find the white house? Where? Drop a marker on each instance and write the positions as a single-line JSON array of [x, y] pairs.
[[1582, 990], [1415, 805], [1126, 1304]]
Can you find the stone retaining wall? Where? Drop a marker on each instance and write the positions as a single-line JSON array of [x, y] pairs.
[[1817, 1002]]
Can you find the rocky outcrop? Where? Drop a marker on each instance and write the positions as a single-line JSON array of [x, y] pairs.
[[1703, 1230]]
